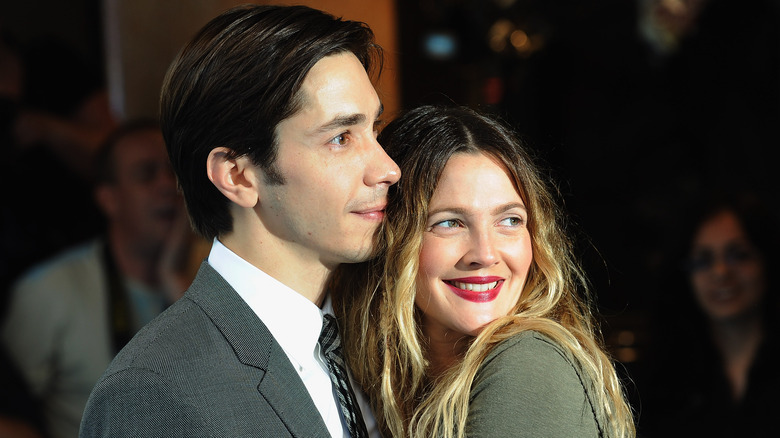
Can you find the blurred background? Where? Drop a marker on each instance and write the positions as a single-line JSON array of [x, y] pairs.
[[636, 108]]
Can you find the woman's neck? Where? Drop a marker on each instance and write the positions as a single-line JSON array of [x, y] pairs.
[[737, 342], [444, 351]]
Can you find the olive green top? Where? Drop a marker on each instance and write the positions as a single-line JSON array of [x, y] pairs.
[[528, 386]]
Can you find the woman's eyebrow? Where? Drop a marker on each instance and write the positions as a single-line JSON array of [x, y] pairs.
[[462, 211]]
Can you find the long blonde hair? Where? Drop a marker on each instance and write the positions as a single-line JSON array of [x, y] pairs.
[[383, 341]]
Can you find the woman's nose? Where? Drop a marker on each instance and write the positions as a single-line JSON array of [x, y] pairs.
[[481, 250]]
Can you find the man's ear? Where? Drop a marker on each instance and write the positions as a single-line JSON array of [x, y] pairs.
[[236, 178]]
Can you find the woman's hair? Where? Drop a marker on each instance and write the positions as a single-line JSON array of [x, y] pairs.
[[385, 348]]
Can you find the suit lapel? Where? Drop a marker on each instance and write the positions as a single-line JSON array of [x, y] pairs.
[[303, 420], [254, 345]]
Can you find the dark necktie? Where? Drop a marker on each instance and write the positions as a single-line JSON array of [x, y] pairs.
[[331, 348]]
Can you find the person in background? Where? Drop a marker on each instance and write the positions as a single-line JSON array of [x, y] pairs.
[[19, 414], [474, 319], [54, 116], [68, 316], [270, 120], [712, 372], [64, 108]]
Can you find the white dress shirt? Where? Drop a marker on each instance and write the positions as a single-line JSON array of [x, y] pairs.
[[295, 323]]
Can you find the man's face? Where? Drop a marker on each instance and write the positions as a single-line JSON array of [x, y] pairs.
[[335, 173], [143, 202]]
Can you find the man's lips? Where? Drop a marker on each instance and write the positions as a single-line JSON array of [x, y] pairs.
[[376, 213], [476, 289]]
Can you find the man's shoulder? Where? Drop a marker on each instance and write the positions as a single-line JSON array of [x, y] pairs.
[[205, 364], [178, 334], [208, 325]]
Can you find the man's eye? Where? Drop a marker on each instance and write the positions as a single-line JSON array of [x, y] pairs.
[[340, 140]]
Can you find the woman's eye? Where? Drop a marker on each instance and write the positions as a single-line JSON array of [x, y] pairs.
[[449, 223], [340, 140], [512, 222]]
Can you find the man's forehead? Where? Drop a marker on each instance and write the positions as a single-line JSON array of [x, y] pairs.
[[334, 73], [336, 93]]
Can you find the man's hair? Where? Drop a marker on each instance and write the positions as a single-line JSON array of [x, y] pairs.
[[104, 165], [234, 82]]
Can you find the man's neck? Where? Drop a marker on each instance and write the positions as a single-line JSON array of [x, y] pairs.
[[282, 261], [133, 262]]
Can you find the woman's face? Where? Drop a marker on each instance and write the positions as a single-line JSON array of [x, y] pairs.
[[476, 249], [727, 271]]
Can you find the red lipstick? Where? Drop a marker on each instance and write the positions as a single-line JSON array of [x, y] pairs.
[[474, 289]]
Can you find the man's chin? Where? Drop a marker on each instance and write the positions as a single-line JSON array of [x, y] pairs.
[[369, 248], [356, 255]]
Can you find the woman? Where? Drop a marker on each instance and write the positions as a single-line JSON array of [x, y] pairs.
[[470, 321], [714, 373]]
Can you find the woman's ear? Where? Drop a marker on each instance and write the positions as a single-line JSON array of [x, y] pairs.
[[236, 178]]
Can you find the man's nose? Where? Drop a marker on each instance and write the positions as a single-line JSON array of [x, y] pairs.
[[382, 169]]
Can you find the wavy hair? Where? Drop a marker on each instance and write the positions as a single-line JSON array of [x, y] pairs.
[[383, 340]]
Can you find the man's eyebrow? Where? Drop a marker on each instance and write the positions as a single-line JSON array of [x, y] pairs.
[[342, 121], [348, 120]]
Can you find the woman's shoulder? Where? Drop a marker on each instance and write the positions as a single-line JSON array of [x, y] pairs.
[[539, 361], [532, 380], [530, 346]]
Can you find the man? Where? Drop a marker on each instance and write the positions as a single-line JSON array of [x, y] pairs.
[[70, 315], [270, 121]]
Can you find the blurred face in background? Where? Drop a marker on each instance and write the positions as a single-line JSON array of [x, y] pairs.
[[727, 271], [142, 203]]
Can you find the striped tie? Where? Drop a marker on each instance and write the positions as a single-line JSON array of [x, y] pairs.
[[331, 347]]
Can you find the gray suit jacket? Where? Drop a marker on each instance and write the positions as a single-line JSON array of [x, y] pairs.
[[206, 367]]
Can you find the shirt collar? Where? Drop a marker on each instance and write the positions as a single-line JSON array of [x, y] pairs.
[[293, 320]]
